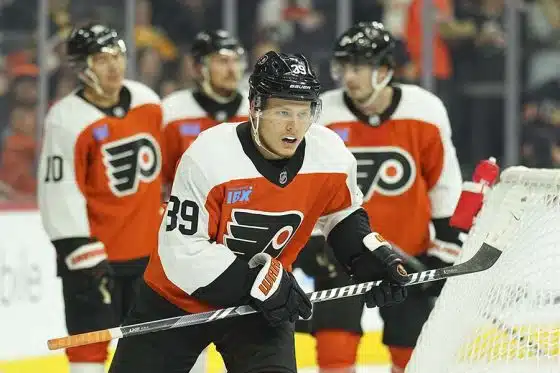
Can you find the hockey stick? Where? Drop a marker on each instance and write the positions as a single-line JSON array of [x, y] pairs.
[[484, 258]]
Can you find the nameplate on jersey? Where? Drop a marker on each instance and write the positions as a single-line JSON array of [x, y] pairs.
[[251, 232], [130, 161], [384, 170]]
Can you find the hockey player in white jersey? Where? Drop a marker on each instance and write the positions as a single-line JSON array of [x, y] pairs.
[[100, 187], [220, 61]]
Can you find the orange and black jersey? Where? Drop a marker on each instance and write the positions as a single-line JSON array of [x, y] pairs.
[[229, 206], [187, 113], [407, 165], [99, 173]]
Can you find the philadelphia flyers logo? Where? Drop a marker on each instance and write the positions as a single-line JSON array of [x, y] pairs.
[[130, 161], [251, 232], [385, 170]]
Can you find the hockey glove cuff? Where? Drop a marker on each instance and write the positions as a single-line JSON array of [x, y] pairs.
[[276, 293], [85, 271], [446, 246], [378, 262]]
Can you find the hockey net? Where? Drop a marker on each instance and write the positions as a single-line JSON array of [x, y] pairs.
[[507, 318]]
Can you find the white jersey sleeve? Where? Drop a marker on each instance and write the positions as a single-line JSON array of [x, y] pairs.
[[190, 258], [61, 180]]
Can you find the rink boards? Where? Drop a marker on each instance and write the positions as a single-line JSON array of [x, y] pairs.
[[31, 307]]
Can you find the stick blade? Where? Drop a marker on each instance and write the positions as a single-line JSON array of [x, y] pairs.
[[484, 258]]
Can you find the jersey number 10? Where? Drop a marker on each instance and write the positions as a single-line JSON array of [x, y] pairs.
[[54, 169]]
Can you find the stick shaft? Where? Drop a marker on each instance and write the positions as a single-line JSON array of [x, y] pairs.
[[483, 259]]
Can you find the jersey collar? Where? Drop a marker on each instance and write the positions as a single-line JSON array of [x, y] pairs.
[[219, 112], [375, 120], [278, 172]]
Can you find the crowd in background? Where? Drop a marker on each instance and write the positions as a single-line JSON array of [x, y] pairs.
[[469, 58]]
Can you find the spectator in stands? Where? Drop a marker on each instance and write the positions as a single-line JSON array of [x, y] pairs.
[[447, 29], [149, 36], [17, 167], [23, 88]]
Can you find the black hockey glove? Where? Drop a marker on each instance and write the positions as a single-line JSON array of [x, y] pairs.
[[276, 293], [380, 262], [85, 271]]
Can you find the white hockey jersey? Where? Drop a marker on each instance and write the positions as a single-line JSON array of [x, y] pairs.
[[99, 174], [187, 113], [228, 202]]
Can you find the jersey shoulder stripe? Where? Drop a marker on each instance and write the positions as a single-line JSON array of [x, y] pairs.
[[422, 106], [333, 108], [325, 152], [181, 105], [218, 152], [141, 94], [74, 115]]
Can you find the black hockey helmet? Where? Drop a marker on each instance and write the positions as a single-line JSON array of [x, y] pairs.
[[90, 39], [365, 43], [208, 42], [287, 76]]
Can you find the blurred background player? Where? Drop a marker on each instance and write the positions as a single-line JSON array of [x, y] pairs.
[[410, 177], [220, 62], [236, 221], [99, 187]]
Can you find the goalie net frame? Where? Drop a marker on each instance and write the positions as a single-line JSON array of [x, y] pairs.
[[505, 319]]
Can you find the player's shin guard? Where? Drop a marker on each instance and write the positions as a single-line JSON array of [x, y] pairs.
[[336, 351], [88, 359], [400, 356]]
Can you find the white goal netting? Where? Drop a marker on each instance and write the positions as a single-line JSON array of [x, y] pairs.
[[507, 318]]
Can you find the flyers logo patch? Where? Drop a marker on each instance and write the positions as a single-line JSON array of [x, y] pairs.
[[251, 232], [131, 160], [387, 170]]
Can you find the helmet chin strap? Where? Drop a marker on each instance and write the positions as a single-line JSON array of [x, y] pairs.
[[89, 78], [377, 86], [257, 136]]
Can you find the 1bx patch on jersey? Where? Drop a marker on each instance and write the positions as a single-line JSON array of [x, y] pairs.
[[130, 161]]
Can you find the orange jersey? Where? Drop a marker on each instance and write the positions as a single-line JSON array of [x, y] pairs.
[[99, 175], [234, 204], [407, 165], [187, 113]]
